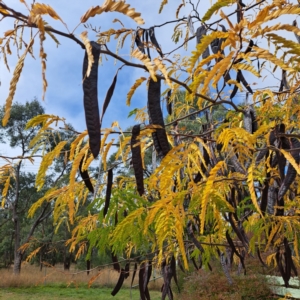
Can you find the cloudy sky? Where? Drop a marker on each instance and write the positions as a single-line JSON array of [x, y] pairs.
[[64, 63]]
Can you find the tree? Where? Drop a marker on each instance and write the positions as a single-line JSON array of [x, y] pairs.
[[232, 185], [17, 199]]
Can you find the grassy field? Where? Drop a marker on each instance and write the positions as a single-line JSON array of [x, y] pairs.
[[52, 293], [55, 283]]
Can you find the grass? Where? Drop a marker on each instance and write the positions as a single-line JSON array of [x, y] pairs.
[[55, 283], [52, 292]]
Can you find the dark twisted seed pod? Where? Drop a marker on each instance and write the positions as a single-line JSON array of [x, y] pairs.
[[288, 256], [119, 283], [235, 88], [139, 42], [133, 274], [156, 117], [168, 103], [167, 276], [142, 276], [85, 177], [244, 81], [108, 190], [127, 269], [215, 46], [200, 32], [90, 100], [137, 160], [154, 41], [264, 195], [173, 268], [116, 264]]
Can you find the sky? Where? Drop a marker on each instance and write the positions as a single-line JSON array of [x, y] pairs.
[[64, 96]]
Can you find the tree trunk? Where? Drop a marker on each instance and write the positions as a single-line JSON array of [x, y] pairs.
[[17, 253], [88, 266]]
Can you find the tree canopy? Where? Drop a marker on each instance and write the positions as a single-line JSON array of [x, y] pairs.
[[218, 181]]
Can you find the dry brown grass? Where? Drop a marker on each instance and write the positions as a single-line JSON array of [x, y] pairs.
[[32, 276], [208, 285]]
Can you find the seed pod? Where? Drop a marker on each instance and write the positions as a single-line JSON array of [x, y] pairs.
[[137, 160], [167, 276], [193, 238], [168, 103], [143, 274], [289, 264], [201, 31], [231, 244], [194, 263], [90, 100], [215, 46], [235, 88], [278, 258], [173, 268], [147, 43], [108, 190], [139, 42], [133, 274], [126, 270], [244, 81], [119, 283], [115, 262], [109, 94], [264, 195], [85, 177], [154, 41], [260, 258], [156, 118], [248, 49]]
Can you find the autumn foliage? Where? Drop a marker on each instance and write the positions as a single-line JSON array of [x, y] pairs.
[[228, 187]]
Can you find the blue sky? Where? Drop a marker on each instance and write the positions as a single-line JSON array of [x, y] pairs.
[[64, 64]]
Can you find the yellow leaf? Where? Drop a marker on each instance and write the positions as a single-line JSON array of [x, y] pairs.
[[164, 71], [207, 190], [88, 48], [291, 160], [113, 6], [46, 162], [250, 181], [137, 83], [13, 83], [200, 48], [214, 8], [42, 9], [146, 61]]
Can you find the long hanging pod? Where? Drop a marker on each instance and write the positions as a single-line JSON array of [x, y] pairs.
[[90, 99], [137, 159], [160, 139]]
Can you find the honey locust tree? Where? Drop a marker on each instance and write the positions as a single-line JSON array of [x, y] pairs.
[[231, 187]]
